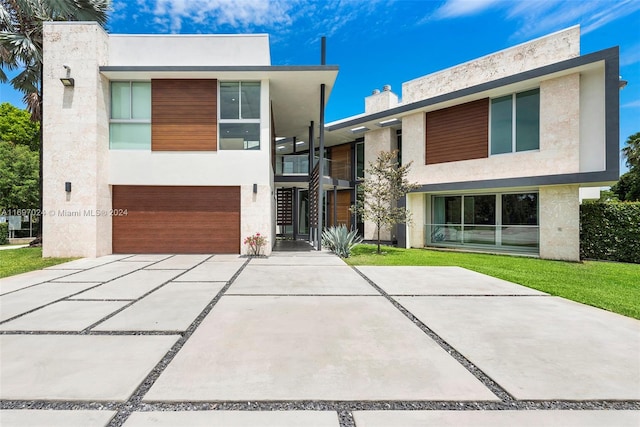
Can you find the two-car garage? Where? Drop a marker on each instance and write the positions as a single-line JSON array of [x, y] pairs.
[[176, 219]]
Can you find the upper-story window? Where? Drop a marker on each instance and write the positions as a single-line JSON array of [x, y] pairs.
[[359, 161], [515, 122], [130, 120], [239, 119]]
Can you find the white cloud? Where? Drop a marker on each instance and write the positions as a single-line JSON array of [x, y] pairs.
[[456, 8], [632, 104], [543, 16], [239, 14]]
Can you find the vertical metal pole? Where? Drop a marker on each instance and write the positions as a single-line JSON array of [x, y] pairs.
[[311, 156], [321, 166], [295, 213], [335, 205], [294, 144], [323, 51]]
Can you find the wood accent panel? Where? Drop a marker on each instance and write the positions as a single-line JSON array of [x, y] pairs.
[[458, 133], [341, 162], [284, 210], [167, 219], [184, 115], [344, 203]]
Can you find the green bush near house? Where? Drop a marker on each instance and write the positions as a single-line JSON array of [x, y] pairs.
[[4, 233], [610, 231]]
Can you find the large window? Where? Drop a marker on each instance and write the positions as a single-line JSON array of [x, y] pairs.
[[515, 122], [359, 161], [239, 119], [500, 221], [130, 122]]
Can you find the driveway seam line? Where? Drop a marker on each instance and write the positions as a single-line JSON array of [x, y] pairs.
[[66, 275], [146, 294], [72, 295], [478, 373], [135, 399]]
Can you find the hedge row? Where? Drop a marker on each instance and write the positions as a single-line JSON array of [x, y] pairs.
[[4, 233], [610, 231]]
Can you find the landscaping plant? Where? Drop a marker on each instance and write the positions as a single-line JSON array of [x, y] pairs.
[[255, 244], [340, 241]]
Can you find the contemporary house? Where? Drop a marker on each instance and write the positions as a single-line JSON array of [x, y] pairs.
[[193, 151]]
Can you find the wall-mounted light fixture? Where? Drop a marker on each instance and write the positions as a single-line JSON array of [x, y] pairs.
[[255, 188], [622, 83], [68, 80], [67, 187]]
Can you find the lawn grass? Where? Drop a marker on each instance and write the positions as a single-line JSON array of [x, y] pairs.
[[16, 261], [608, 285]]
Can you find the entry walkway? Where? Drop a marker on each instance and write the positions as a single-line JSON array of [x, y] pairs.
[[302, 339]]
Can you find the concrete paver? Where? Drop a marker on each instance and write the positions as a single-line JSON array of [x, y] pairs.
[[300, 280], [441, 281], [234, 419], [273, 348], [497, 418], [24, 280], [211, 272], [42, 418], [64, 316], [131, 286], [171, 308], [84, 263], [27, 299], [179, 262], [65, 367], [147, 257], [227, 258], [540, 348], [105, 272], [302, 258]]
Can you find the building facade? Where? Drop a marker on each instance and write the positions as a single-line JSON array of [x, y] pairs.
[[191, 143]]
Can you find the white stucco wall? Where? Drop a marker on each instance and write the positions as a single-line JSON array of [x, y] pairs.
[[559, 218], [416, 204], [75, 132], [374, 143], [592, 121], [380, 101], [527, 56], [190, 49], [559, 143]]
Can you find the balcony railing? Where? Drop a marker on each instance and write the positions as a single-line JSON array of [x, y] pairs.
[[298, 164]]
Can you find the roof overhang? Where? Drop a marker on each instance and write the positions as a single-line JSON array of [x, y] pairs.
[[294, 90]]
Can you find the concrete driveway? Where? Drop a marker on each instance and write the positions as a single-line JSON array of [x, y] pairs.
[[302, 339]]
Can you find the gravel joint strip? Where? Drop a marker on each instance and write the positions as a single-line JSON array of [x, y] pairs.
[[487, 381], [136, 398]]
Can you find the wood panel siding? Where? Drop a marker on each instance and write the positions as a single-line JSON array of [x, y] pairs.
[[167, 219], [284, 206], [341, 162], [344, 203], [458, 133], [184, 115]]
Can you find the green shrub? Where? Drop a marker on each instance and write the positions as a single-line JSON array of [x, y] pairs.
[[4, 233], [340, 241], [610, 231]]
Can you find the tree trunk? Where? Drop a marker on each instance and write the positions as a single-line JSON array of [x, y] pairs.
[[378, 240]]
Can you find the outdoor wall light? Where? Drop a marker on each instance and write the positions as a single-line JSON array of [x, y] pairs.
[[622, 83], [68, 80], [255, 188], [67, 187]]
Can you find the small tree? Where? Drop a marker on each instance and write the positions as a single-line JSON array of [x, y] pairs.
[[384, 185]]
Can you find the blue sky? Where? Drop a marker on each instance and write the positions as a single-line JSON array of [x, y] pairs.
[[378, 42]]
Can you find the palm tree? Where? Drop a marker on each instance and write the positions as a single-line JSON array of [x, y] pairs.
[[21, 42]]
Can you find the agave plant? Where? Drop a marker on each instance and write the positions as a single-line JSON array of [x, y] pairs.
[[340, 241]]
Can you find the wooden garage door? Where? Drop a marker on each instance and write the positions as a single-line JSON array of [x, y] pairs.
[[167, 219]]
